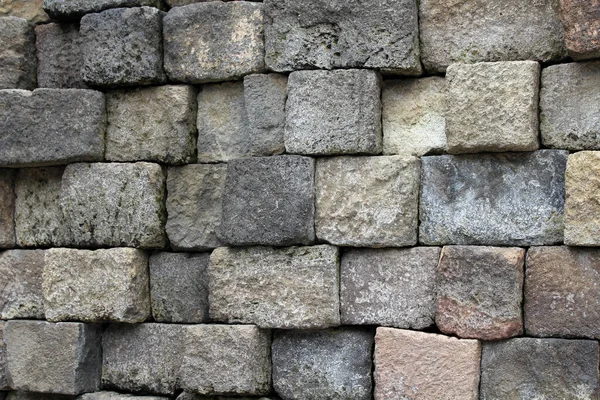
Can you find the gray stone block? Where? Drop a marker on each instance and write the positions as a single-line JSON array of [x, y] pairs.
[[62, 126], [335, 34], [513, 199], [17, 54], [116, 396], [3, 362], [21, 284], [245, 286], [7, 208], [67, 356], [193, 396], [269, 201], [333, 112], [21, 395], [31, 10], [122, 47], [74, 9]]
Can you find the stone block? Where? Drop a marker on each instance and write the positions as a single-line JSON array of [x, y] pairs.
[[389, 287], [75, 9], [152, 124], [113, 205], [108, 285], [334, 34], [269, 201], [367, 201], [21, 284], [21, 395], [480, 30], [479, 292], [122, 47], [333, 112], [333, 363], [67, 356], [3, 363], [62, 126], [245, 286], [179, 287], [7, 208], [527, 368], [214, 41], [581, 21], [194, 205], [193, 396], [116, 396], [512, 199], [492, 107], [17, 54], [418, 365], [31, 10]]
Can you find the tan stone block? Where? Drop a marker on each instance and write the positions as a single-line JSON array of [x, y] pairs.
[[582, 210], [31, 10]]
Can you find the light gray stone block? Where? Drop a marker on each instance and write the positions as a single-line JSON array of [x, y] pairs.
[[21, 284], [3, 361], [7, 208], [74, 9], [117, 396], [17, 54]]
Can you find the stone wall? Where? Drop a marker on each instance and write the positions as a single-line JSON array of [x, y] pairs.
[[299, 199]]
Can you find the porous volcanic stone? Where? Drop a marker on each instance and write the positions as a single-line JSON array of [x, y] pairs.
[[152, 124], [492, 107], [214, 41], [390, 287], [333, 112], [269, 201], [114, 204], [67, 356], [3, 361], [581, 21], [21, 284], [331, 363], [123, 47], [338, 34], [117, 396], [527, 368], [367, 201], [245, 286], [31, 10], [480, 30], [51, 126], [73, 9], [582, 225], [17, 54], [513, 199], [7, 208], [194, 205]]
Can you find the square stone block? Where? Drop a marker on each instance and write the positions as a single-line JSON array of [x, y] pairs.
[[7, 208], [21, 284], [31, 10], [75, 9], [17, 54], [581, 20]]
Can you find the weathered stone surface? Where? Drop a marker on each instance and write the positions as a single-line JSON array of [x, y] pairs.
[[122, 47], [21, 395], [114, 204], [479, 292], [7, 208], [492, 107], [51, 126], [117, 396], [152, 124], [480, 30], [3, 362], [194, 205], [194, 396], [581, 21], [390, 287], [245, 286], [31, 10], [337, 34], [67, 356], [333, 112], [17, 54], [367, 201], [527, 368], [332, 364], [214, 41], [21, 284], [493, 199], [179, 287], [417, 365], [73, 9], [269, 201]]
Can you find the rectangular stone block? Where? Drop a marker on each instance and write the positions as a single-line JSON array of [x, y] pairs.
[[581, 21], [62, 126], [309, 34], [246, 286], [367, 201], [512, 199], [7, 208], [21, 284], [3, 362], [31, 10], [117, 396], [333, 112], [17, 54], [67, 356], [21, 395], [75, 9]]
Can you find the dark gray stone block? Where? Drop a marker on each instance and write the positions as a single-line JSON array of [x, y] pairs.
[[17, 54], [21, 284], [3, 362], [21, 395], [7, 208], [74, 9]]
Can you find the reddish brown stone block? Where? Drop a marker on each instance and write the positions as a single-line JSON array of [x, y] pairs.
[[581, 20]]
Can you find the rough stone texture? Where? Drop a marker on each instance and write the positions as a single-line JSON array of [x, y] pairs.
[[17, 54], [194, 205], [367, 201], [20, 395], [67, 356], [123, 47], [492, 107], [493, 199], [339, 34], [422, 366], [269, 201], [193, 396], [31, 10], [479, 292], [152, 124], [3, 362], [581, 21], [527, 368], [21, 284], [333, 112], [74, 9], [51, 126], [179, 287], [246, 286], [7, 208], [482, 30], [117, 396], [114, 204], [214, 41], [390, 287]]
